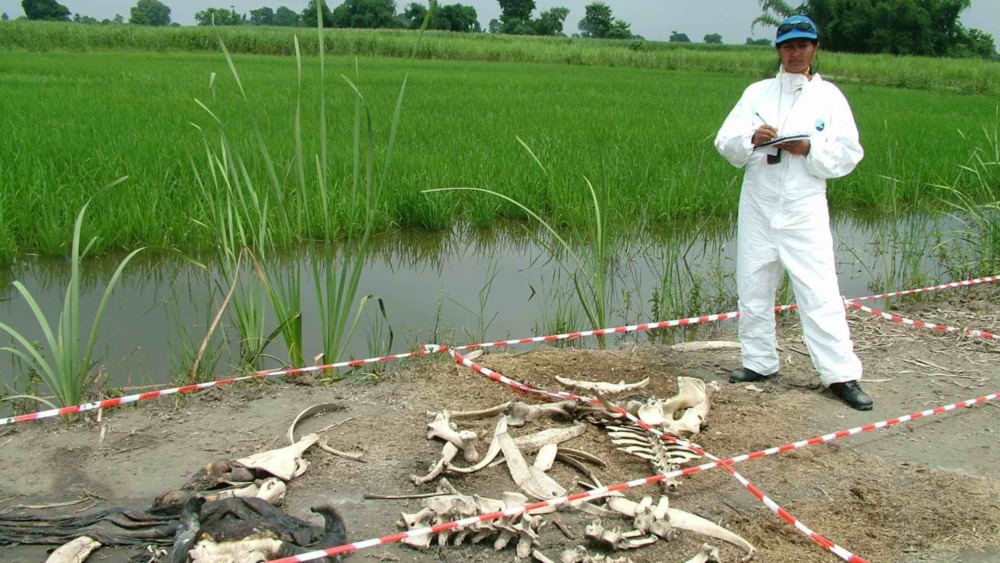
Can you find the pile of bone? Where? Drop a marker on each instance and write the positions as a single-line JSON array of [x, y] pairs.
[[682, 416]]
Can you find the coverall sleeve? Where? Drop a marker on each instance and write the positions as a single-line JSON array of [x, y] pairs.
[[836, 151], [734, 138]]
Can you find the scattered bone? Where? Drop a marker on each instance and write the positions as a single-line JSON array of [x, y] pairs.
[[693, 419], [530, 479], [615, 539], [708, 554], [527, 443], [309, 412], [447, 455], [580, 555], [546, 457], [705, 345], [285, 463], [493, 411], [444, 429], [691, 392], [603, 387], [583, 456], [75, 551], [323, 445], [680, 520]]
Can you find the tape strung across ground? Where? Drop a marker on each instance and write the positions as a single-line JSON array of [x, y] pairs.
[[354, 363], [768, 502], [603, 491]]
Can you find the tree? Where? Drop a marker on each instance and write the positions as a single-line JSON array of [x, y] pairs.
[[457, 17], [597, 20], [676, 37], [4, 16], [150, 12], [765, 42], [413, 16], [48, 10], [285, 17], [219, 17], [550, 22], [308, 17], [366, 14], [773, 12], [898, 27], [495, 26], [77, 18], [262, 16], [119, 19], [620, 30], [713, 38], [515, 16]]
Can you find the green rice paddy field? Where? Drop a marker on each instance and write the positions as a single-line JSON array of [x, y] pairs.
[[75, 119]]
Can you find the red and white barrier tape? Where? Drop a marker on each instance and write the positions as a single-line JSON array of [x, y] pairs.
[[768, 502], [950, 285], [603, 491], [933, 326], [195, 387], [353, 363]]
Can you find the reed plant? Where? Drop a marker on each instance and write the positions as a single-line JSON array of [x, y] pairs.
[[63, 362], [975, 202]]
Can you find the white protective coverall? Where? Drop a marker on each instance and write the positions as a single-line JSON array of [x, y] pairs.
[[784, 220]]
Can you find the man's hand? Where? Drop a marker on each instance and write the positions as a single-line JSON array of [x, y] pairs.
[[763, 134], [800, 147]]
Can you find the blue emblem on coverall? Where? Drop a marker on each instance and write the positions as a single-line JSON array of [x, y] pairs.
[[820, 125]]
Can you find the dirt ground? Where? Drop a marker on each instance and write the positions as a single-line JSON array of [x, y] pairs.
[[922, 491]]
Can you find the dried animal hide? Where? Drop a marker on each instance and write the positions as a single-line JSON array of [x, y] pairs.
[[663, 456], [250, 530], [521, 528]]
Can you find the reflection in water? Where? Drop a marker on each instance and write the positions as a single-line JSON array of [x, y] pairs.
[[450, 286]]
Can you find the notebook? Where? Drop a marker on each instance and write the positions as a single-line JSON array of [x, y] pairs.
[[779, 140]]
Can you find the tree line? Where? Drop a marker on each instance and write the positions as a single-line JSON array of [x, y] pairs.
[[898, 27]]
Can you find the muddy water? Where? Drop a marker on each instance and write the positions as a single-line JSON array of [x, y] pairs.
[[432, 286]]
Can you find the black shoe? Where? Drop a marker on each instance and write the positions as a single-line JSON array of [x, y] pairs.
[[852, 394], [745, 375]]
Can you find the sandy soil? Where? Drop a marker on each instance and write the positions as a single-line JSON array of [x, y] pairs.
[[923, 491]]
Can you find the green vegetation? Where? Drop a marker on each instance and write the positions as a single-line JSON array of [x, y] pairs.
[[83, 119], [68, 371], [946, 75]]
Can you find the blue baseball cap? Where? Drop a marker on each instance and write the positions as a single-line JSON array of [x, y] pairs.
[[796, 27]]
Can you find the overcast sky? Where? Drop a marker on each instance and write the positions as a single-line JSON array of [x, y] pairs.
[[653, 19]]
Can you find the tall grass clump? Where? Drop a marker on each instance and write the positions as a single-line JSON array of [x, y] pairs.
[[260, 212], [67, 369], [975, 202]]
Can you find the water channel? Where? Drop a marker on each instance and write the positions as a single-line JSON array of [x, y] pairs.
[[437, 287]]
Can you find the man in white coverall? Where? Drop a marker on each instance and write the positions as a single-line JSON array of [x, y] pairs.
[[784, 223]]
